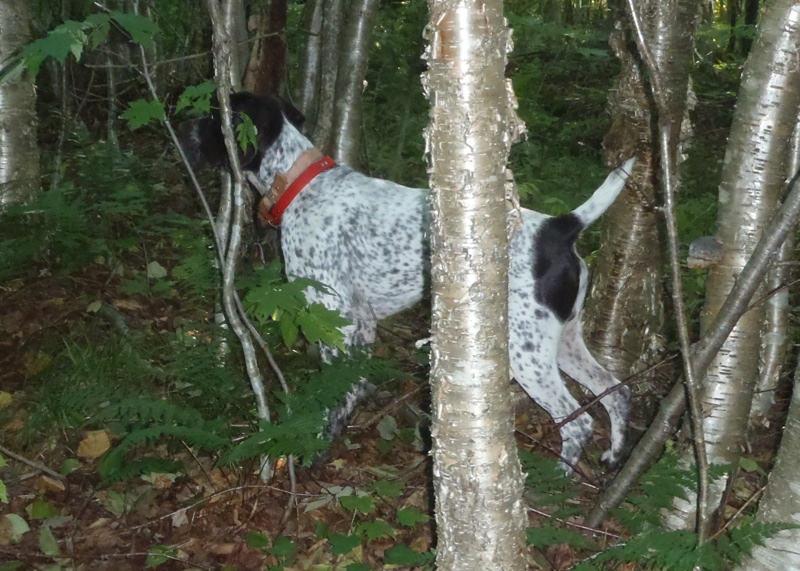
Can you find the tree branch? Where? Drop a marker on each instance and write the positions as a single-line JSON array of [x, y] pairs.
[[736, 304], [669, 186]]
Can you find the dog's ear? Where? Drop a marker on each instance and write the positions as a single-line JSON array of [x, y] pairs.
[[294, 115], [204, 141]]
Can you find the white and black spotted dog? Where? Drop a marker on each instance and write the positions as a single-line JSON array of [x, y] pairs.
[[367, 240]]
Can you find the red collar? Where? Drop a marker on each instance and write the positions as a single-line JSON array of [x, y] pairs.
[[275, 203]]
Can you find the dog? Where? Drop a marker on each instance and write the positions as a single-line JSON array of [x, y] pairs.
[[366, 239]]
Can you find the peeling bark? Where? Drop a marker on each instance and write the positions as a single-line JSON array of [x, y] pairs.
[[19, 153], [781, 501], [625, 310], [477, 477], [753, 178], [775, 335]]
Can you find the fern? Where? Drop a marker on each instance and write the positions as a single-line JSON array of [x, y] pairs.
[[113, 468]]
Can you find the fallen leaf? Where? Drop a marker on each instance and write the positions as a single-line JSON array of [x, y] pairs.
[[95, 444], [12, 528], [5, 399], [44, 484], [128, 304]]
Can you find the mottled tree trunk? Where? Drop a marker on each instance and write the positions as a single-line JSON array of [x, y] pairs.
[[477, 478], [753, 180], [349, 81], [19, 153], [311, 61], [266, 69], [625, 310], [332, 21], [775, 334], [781, 501]]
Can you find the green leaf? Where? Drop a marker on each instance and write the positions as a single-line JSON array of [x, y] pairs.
[[100, 25], [289, 330], [373, 530], [48, 543], [197, 97], [343, 544], [19, 527], [387, 427], [404, 555], [282, 547], [67, 38], [322, 325], [358, 567], [3, 492], [750, 466], [141, 29], [410, 517], [156, 271], [141, 112], [388, 489], [256, 540], [159, 554], [363, 504], [40, 509], [69, 466], [246, 133], [547, 535]]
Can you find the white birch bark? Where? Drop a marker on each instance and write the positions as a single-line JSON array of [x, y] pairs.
[[477, 478], [781, 501], [753, 179], [19, 153]]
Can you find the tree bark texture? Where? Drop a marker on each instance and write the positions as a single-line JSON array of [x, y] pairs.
[[266, 69], [350, 80], [753, 179], [781, 501], [19, 153], [625, 311], [477, 477], [775, 334], [332, 21], [312, 54]]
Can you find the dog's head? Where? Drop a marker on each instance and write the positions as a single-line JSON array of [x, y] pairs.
[[203, 141]]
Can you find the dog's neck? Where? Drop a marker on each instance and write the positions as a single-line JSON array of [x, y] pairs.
[[283, 153]]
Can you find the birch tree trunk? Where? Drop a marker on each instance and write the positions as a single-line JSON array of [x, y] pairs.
[[312, 55], [19, 153], [349, 81], [753, 179], [781, 501], [775, 334], [477, 477], [330, 44], [625, 311]]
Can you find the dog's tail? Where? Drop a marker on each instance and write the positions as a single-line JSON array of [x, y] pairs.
[[604, 196]]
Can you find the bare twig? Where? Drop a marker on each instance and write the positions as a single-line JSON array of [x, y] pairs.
[[35, 465], [669, 184], [736, 304]]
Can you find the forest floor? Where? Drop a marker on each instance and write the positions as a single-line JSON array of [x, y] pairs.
[[212, 517]]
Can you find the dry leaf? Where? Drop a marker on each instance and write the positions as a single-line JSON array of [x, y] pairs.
[[128, 304], [45, 484], [94, 445]]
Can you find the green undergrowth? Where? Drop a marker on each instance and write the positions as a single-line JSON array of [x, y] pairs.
[[644, 540]]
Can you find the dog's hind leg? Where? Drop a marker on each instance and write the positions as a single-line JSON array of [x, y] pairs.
[[576, 361], [533, 344]]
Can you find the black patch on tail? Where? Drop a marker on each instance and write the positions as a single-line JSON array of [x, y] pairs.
[[557, 270]]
